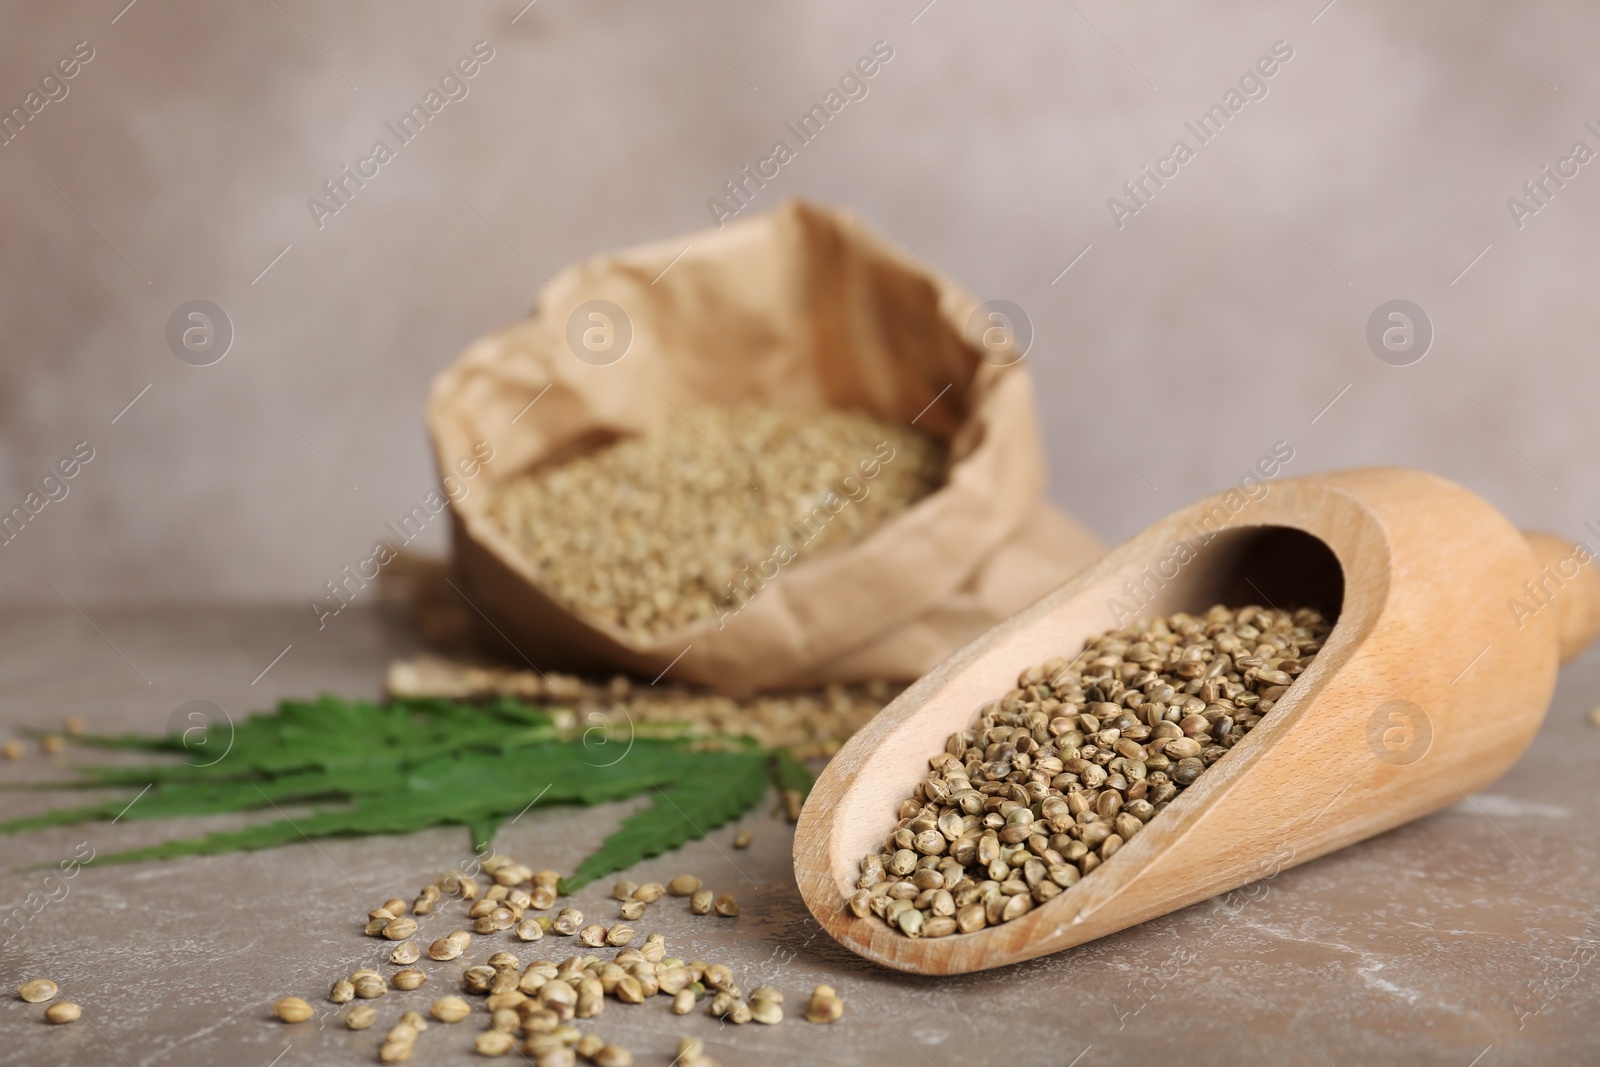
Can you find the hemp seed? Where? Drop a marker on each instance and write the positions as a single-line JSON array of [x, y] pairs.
[[450, 1009], [62, 1012], [824, 1005], [687, 490], [37, 990], [493, 1043], [408, 979], [361, 1016], [399, 929], [1053, 777], [684, 885], [293, 1010]]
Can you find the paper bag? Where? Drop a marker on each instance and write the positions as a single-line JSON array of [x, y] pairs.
[[802, 308]]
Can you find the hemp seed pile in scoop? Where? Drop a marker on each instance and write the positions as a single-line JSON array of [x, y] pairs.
[[658, 531], [1059, 773]]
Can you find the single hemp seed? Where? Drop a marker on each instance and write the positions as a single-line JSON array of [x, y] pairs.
[[824, 1006], [683, 885], [37, 990], [293, 1010], [62, 1012], [450, 1009], [408, 979]]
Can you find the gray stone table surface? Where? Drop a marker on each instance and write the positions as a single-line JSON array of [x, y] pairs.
[[1462, 939]]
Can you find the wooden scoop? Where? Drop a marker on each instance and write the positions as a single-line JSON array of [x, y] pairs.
[[1450, 625]]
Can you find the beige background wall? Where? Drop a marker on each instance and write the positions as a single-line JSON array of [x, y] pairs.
[[1223, 317]]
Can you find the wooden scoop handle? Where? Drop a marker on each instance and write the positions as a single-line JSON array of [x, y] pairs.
[[1568, 581]]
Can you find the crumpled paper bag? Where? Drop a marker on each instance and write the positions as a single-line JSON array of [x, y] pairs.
[[800, 308]]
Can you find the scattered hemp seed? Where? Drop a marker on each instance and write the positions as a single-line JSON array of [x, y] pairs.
[[623, 890], [343, 991], [293, 1010], [683, 885], [613, 1056], [369, 987], [62, 1012], [37, 990], [649, 893], [52, 744], [824, 1006], [493, 1043], [12, 749], [700, 902], [399, 929], [444, 949], [568, 921], [689, 1049], [75, 725], [619, 935], [405, 952], [361, 1016], [529, 930], [408, 979], [632, 910], [1054, 777], [743, 838], [450, 1009], [726, 906], [426, 901], [478, 979], [683, 1002], [397, 1051], [593, 935], [810, 723]]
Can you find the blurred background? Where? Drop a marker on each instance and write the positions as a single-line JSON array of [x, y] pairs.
[[1176, 338]]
